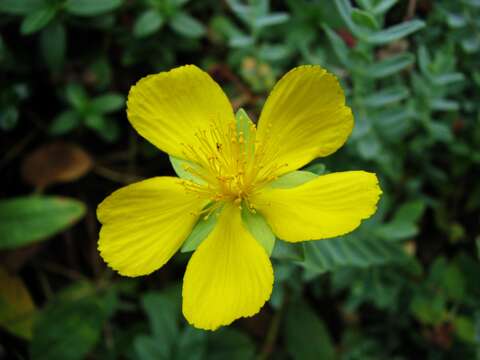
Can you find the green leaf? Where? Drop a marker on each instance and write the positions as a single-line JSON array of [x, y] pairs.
[[91, 7], [259, 228], [185, 25], [180, 166], [53, 45], [200, 231], [163, 314], [306, 335], [383, 6], [107, 103], [394, 33], [68, 330], [37, 20], [270, 19], [147, 23], [288, 251], [106, 128], [20, 7], [24, 220], [231, 344], [448, 78], [456, 21], [386, 97], [192, 344], [64, 123], [471, 44], [345, 9], [403, 225], [241, 41], [293, 179], [350, 251], [364, 19], [8, 118], [339, 46], [76, 96], [389, 66], [465, 329]]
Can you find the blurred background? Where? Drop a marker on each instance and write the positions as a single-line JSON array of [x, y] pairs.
[[405, 285]]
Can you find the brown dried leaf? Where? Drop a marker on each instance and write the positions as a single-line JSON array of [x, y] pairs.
[[16, 306], [57, 162]]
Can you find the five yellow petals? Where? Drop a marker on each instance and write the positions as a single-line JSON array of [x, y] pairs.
[[186, 114]]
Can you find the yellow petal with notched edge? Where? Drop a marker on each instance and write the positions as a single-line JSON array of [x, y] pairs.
[[145, 223], [168, 108], [304, 117], [328, 206], [229, 276]]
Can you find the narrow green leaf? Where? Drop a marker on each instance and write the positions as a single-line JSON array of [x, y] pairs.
[[91, 7], [37, 20], [259, 228], [456, 21], [147, 23], [76, 96], [386, 97], [185, 25], [389, 66], [448, 78], [53, 45], [20, 7], [394, 33], [24, 220], [364, 19], [383, 6], [270, 19], [345, 9], [64, 123], [8, 118], [107, 103], [444, 105], [339, 46]]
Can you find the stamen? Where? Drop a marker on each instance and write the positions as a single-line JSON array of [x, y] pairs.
[[232, 165]]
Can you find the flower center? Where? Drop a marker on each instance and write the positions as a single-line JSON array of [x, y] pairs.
[[230, 163]]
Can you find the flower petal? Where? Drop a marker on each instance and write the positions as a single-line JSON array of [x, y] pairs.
[[304, 117], [168, 108], [328, 206], [145, 223], [229, 276]]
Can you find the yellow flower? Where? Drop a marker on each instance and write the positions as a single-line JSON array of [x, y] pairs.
[[232, 166]]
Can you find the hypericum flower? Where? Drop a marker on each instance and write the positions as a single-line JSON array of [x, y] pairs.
[[233, 169]]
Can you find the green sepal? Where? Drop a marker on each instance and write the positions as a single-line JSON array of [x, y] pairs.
[[259, 228], [200, 231], [246, 126], [179, 167], [293, 179]]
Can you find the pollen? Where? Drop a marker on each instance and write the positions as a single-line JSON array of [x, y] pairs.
[[230, 164]]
